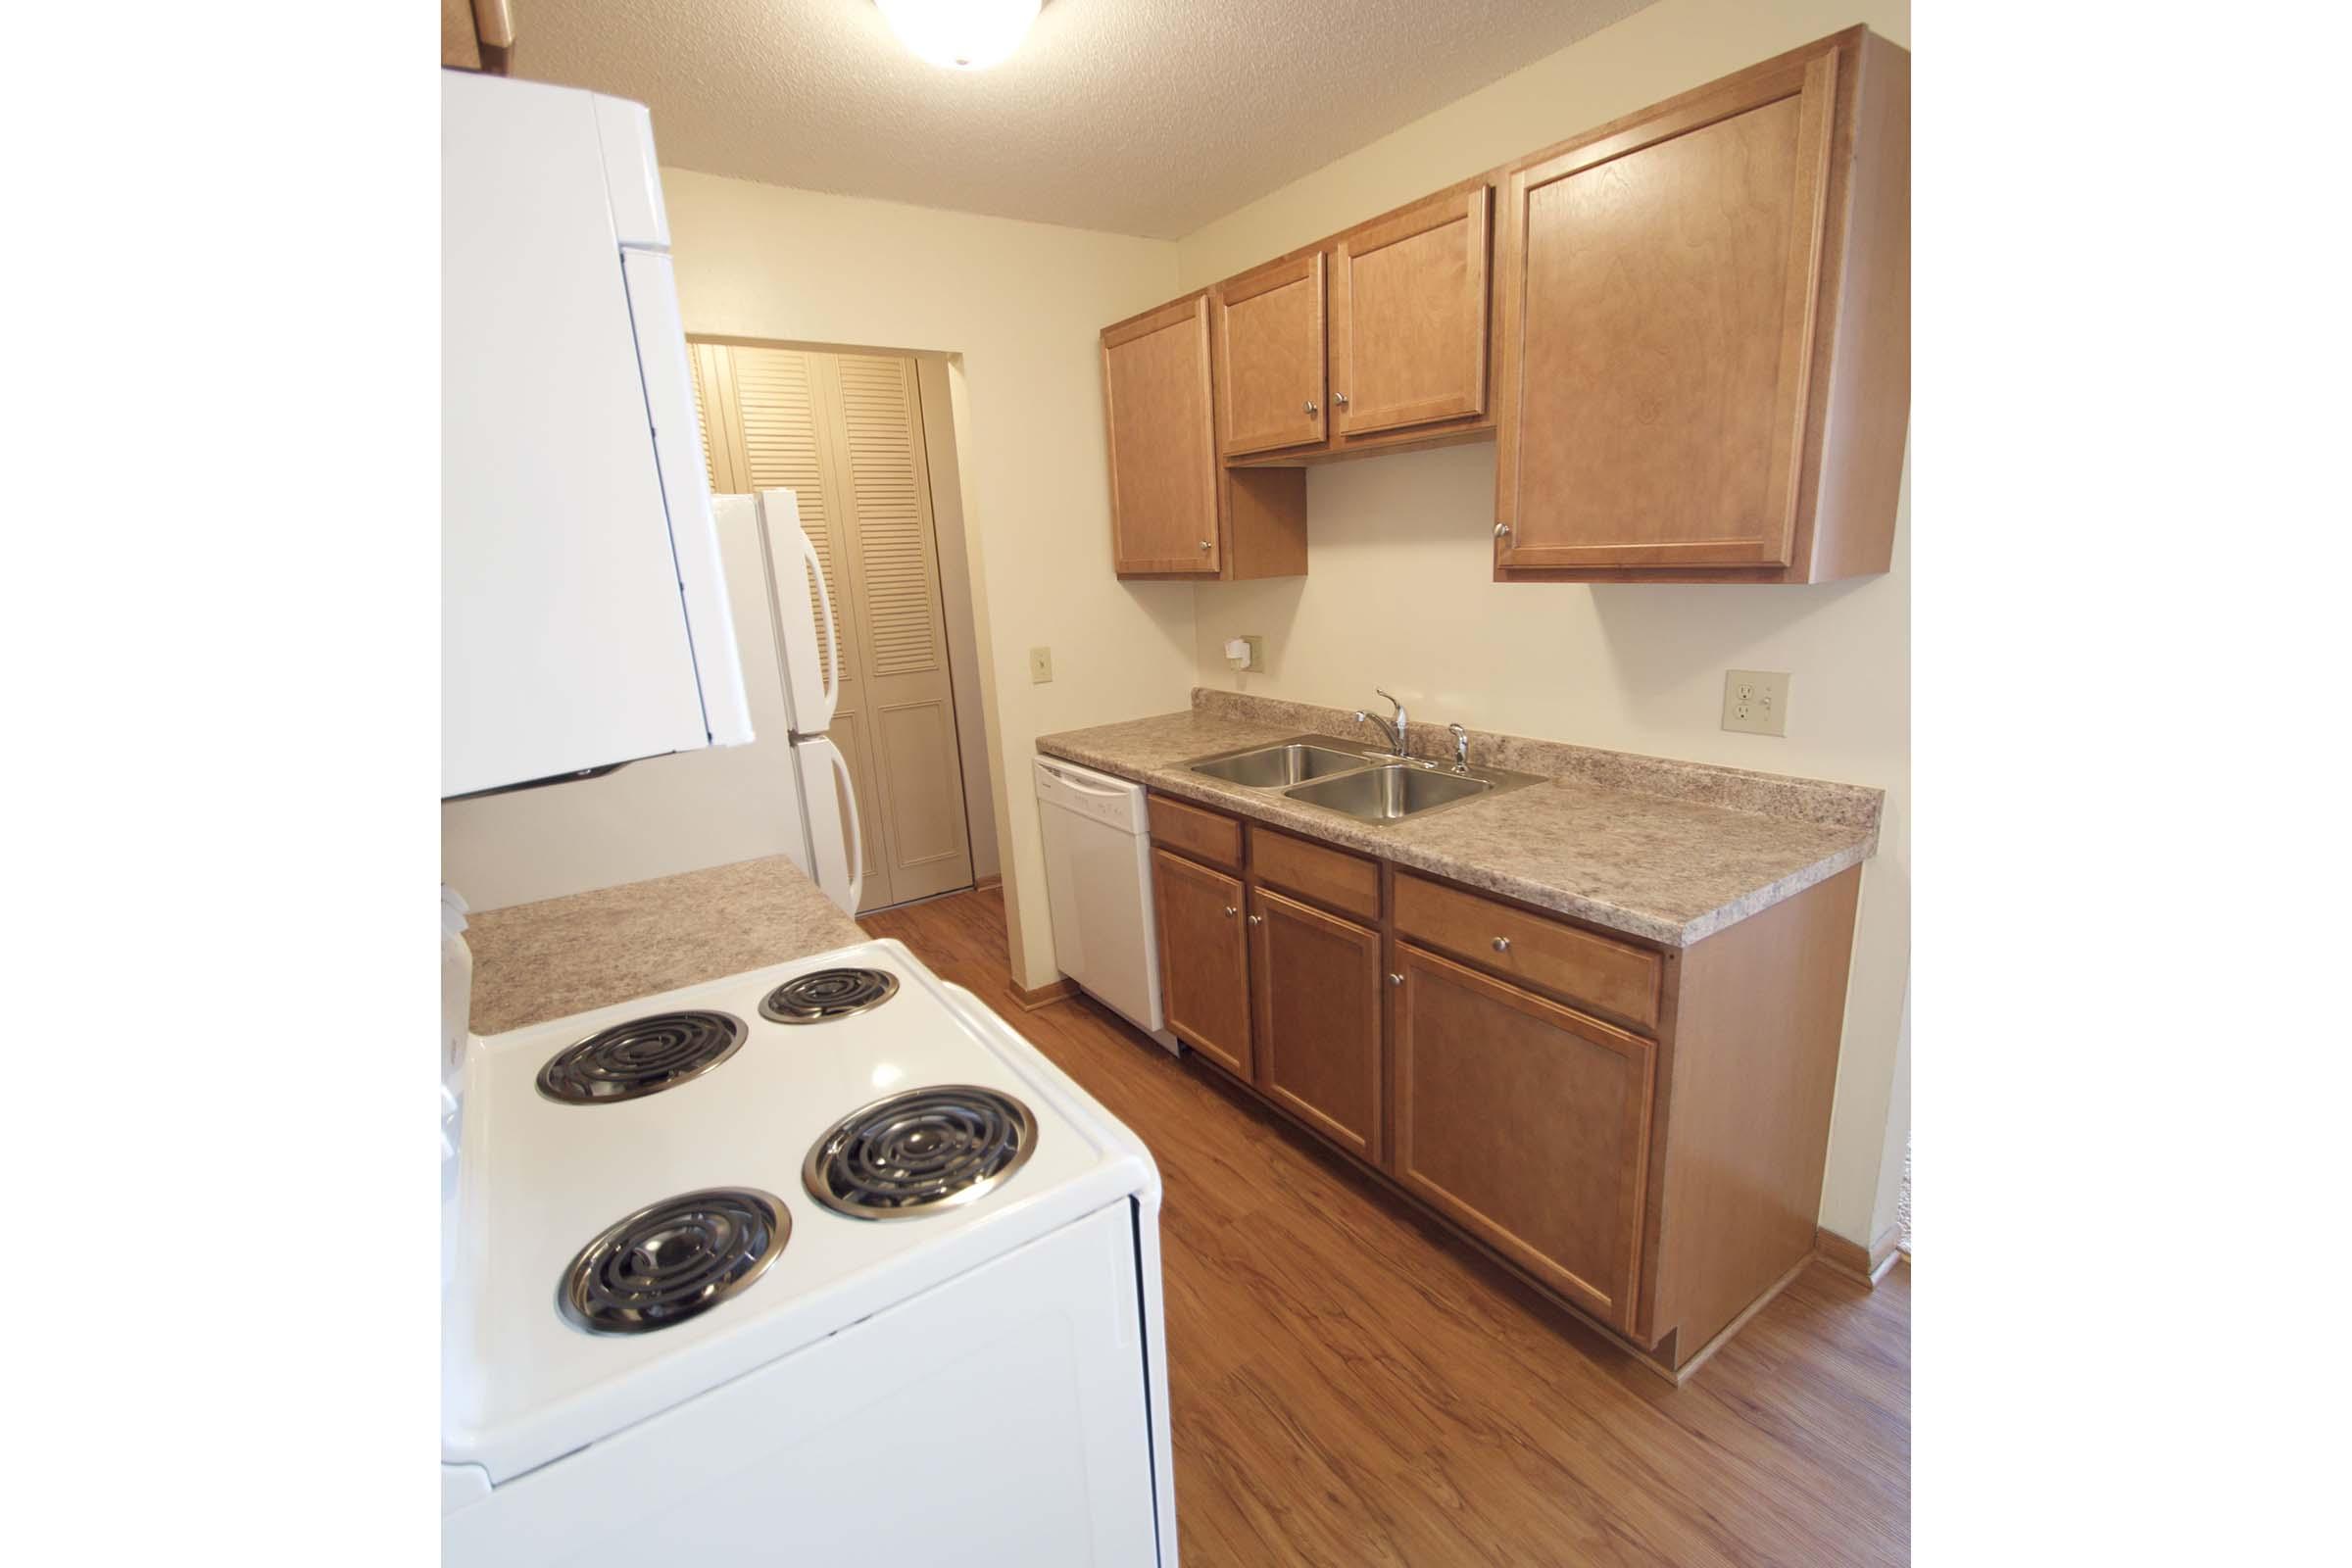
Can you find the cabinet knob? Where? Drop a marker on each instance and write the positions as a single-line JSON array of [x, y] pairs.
[[1310, 408], [1502, 530], [1257, 919], [1340, 398], [1205, 545], [1501, 944], [1394, 978], [1230, 912]]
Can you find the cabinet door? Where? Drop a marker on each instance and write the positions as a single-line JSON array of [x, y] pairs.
[[1658, 296], [1527, 1123], [1270, 357], [1203, 958], [1163, 461], [1318, 1018], [1408, 317]]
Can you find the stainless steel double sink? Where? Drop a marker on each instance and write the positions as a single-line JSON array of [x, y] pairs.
[[1366, 785]]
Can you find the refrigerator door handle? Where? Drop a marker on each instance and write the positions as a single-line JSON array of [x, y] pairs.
[[824, 601], [849, 790]]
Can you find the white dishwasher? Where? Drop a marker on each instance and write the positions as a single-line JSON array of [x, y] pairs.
[[1097, 840]]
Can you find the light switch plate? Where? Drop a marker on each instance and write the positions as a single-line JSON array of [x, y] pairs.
[[1756, 701], [1041, 666]]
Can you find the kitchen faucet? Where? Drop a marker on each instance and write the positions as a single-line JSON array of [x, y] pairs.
[[1392, 729]]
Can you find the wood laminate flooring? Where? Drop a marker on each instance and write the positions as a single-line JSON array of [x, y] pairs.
[[1352, 1385]]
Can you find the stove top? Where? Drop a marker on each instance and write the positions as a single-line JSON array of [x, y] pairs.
[[642, 1056], [823, 995], [915, 1153], [677, 1303], [674, 1260]]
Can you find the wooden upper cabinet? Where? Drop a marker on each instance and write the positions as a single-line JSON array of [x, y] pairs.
[[1694, 304], [1163, 464], [478, 35], [1688, 333], [1175, 510], [1408, 317], [1269, 338]]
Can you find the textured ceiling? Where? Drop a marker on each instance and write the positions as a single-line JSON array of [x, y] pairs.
[[1141, 116]]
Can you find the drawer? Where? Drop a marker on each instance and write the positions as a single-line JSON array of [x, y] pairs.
[[1207, 836], [1611, 978], [1334, 878]]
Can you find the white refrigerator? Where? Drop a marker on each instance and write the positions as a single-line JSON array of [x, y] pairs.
[[786, 792]]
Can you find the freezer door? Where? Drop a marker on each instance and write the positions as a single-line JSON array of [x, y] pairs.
[[836, 838], [806, 628]]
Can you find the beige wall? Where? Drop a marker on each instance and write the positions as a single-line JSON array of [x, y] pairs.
[[1397, 591], [1020, 304], [955, 598]]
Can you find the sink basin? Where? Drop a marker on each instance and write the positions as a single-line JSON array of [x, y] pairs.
[[1385, 794], [1275, 766], [1368, 785]]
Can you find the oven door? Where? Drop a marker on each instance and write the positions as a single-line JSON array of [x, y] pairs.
[[998, 1418]]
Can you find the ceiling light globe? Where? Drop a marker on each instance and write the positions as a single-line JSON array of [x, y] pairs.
[[960, 34]]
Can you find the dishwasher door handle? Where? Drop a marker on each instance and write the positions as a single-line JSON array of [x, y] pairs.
[[1082, 787]]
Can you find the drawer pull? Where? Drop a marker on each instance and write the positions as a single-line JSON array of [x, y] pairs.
[[1501, 944]]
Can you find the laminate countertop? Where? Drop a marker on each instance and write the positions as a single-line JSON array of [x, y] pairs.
[[536, 962], [1645, 846]]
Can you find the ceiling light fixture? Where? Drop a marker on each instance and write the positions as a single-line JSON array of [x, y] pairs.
[[960, 34]]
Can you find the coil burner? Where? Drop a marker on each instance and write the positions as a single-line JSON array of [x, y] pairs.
[[642, 1056], [824, 994], [674, 1260], [921, 1151]]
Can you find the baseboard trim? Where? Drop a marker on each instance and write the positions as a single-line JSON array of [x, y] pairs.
[[1849, 1260], [987, 882], [1045, 995]]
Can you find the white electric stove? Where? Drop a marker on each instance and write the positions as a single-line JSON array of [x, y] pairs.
[[823, 1258]]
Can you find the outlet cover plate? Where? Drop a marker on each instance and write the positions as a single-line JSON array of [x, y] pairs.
[[1756, 701], [1041, 666]]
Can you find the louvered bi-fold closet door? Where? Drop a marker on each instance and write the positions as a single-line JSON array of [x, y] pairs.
[[845, 434], [901, 631]]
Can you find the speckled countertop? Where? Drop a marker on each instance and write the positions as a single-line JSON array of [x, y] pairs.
[[535, 962], [1637, 844]]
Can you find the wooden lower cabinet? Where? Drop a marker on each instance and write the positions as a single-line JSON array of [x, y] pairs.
[[1203, 958], [1528, 1124], [1657, 1168], [1318, 995]]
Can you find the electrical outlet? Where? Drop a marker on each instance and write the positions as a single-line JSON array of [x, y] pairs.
[[1756, 701], [1041, 666]]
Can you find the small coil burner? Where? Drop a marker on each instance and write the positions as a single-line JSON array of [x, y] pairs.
[[919, 1152], [674, 1260], [642, 1056], [823, 995]]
